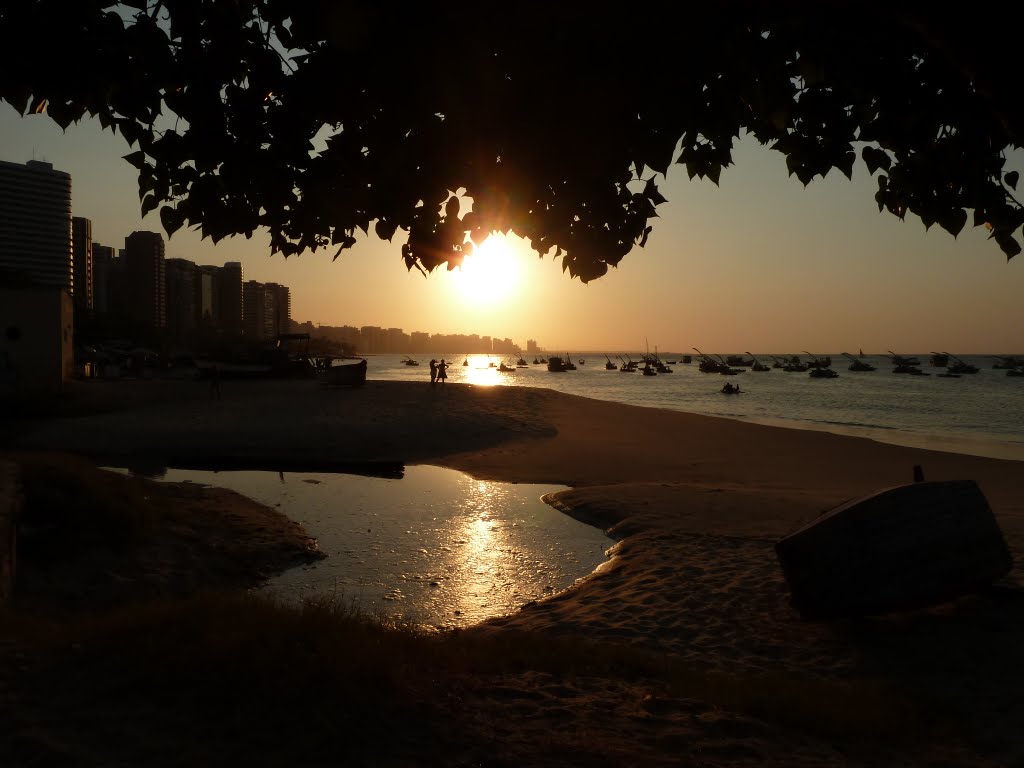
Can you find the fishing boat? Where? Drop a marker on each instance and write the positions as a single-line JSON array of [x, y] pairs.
[[409, 361], [959, 366], [938, 360], [906, 365], [823, 373], [794, 364], [556, 365], [465, 360], [857, 365], [738, 361], [1008, 363], [758, 365], [503, 368], [610, 366]]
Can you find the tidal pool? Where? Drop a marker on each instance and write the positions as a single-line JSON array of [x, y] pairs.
[[436, 547]]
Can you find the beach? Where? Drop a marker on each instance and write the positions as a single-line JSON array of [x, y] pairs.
[[695, 504]]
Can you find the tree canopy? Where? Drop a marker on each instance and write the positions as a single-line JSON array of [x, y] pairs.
[[321, 119]]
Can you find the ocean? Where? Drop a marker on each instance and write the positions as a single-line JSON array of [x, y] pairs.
[[980, 414]]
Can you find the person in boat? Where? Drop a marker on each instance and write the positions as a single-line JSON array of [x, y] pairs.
[[433, 370], [728, 388]]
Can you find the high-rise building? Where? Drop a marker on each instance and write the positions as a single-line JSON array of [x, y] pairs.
[[82, 261], [35, 225], [103, 267], [207, 303], [282, 308], [258, 310], [181, 299], [145, 301], [230, 301]]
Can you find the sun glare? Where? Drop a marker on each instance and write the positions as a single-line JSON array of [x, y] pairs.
[[491, 273]]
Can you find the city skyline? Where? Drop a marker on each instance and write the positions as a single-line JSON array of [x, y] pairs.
[[757, 263]]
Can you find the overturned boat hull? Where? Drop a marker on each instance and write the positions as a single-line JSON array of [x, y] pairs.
[[905, 547]]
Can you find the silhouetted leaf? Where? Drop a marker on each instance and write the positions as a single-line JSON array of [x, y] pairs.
[[149, 202], [954, 221], [137, 159], [1008, 245], [1011, 179], [385, 230], [875, 158], [171, 219]]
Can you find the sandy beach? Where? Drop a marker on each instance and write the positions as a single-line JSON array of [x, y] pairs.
[[695, 505]]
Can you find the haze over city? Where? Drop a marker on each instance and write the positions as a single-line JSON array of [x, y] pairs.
[[759, 263]]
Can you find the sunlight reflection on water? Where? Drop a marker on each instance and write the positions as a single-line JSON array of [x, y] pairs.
[[437, 547]]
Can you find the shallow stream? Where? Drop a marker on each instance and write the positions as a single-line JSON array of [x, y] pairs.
[[436, 547]]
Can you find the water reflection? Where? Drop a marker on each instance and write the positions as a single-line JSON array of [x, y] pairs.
[[438, 547]]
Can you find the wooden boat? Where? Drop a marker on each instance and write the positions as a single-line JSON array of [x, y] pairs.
[[409, 361], [350, 373], [556, 365], [905, 547]]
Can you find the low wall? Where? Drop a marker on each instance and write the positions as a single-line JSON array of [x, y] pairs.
[[10, 505]]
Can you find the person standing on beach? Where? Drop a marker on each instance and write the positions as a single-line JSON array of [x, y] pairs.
[[441, 368], [433, 370]]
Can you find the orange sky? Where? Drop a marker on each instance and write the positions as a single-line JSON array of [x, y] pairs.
[[759, 264]]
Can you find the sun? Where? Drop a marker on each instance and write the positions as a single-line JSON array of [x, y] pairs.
[[490, 273]]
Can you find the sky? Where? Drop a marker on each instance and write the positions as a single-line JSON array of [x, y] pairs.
[[759, 264]]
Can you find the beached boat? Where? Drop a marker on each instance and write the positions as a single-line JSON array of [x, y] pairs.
[[905, 547], [348, 372]]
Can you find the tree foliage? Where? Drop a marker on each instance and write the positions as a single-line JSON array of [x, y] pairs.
[[321, 119]]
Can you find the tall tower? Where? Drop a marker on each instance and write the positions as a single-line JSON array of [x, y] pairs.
[[230, 304], [82, 259], [35, 224], [103, 267], [145, 279], [181, 277]]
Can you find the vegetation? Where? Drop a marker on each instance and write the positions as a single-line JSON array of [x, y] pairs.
[[321, 120]]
